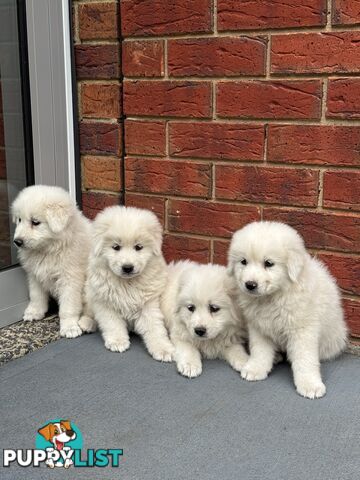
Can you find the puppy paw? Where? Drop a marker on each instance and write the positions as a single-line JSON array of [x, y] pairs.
[[163, 353], [32, 313], [311, 388], [117, 345], [253, 373], [87, 324], [70, 331], [238, 363], [190, 370]]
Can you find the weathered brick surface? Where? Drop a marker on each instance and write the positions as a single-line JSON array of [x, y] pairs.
[[343, 98], [155, 204], [102, 173], [145, 138], [334, 52], [166, 177], [284, 186], [100, 138], [93, 203], [309, 144], [264, 14], [217, 140], [352, 315], [345, 12], [182, 248], [159, 17], [143, 58], [98, 21], [346, 269], [209, 218], [342, 190], [101, 100], [276, 99], [217, 57], [167, 99], [97, 61], [220, 252]]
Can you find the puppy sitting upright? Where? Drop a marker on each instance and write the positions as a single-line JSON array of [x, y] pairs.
[[201, 316], [53, 240], [126, 276], [290, 301]]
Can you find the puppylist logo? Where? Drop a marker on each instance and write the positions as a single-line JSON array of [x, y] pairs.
[[59, 443]]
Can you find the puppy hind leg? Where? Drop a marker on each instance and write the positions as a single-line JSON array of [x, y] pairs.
[[39, 300], [236, 356], [87, 321]]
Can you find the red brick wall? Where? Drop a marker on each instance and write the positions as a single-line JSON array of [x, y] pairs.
[[235, 111]]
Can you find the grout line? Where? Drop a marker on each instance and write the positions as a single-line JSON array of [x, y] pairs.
[[324, 101], [166, 71], [268, 58], [215, 29], [321, 190]]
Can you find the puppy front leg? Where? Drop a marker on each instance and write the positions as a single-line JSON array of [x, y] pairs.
[[151, 327], [236, 356], [39, 300], [70, 306], [262, 354], [303, 353], [188, 358], [113, 328]]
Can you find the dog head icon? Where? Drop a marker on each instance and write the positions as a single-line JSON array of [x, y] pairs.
[[58, 433]]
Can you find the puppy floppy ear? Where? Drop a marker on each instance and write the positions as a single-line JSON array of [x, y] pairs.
[[295, 264], [46, 431], [57, 216], [157, 238]]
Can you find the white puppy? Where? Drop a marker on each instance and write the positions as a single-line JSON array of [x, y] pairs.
[[202, 316], [53, 239], [290, 301], [126, 276]]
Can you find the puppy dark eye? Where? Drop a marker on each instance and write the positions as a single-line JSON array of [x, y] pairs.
[[34, 222], [138, 247], [214, 308], [191, 308], [116, 247], [19, 220], [268, 264], [243, 261]]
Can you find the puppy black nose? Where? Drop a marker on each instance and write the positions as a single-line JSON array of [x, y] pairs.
[[70, 433], [200, 332], [128, 268], [251, 285], [18, 242]]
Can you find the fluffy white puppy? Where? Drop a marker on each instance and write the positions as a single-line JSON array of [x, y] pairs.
[[202, 317], [53, 240], [126, 276], [290, 301]]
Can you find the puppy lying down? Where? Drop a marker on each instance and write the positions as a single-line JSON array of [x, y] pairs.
[[290, 301], [126, 276], [202, 317]]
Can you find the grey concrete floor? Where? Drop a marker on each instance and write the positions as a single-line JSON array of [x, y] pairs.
[[214, 427]]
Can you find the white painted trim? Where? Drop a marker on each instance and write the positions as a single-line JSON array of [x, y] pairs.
[[69, 98]]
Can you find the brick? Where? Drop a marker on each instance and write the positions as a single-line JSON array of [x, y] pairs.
[[155, 204], [98, 21], [217, 56], [97, 61], [167, 98], [343, 98], [345, 12], [102, 173], [220, 252], [100, 100], [168, 177], [231, 141], [346, 270], [209, 218], [143, 58], [342, 190], [352, 315], [93, 203], [261, 99], [314, 144], [333, 52], [145, 138], [321, 230], [100, 138], [264, 14], [184, 248], [159, 17], [284, 186]]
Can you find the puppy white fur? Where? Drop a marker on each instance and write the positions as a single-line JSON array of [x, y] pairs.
[[126, 276], [54, 242], [202, 316], [290, 301]]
